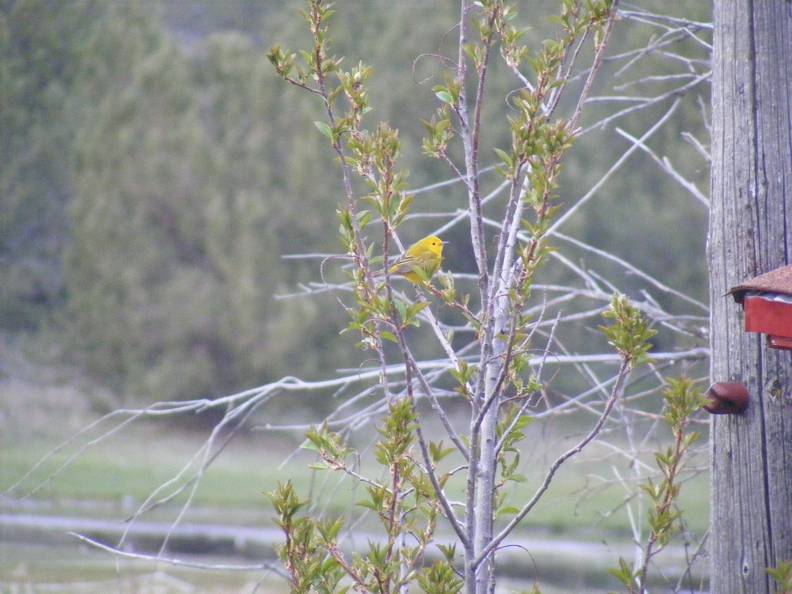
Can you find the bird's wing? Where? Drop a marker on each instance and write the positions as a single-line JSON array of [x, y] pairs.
[[407, 263]]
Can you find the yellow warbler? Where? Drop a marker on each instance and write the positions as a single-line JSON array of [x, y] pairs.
[[425, 256]]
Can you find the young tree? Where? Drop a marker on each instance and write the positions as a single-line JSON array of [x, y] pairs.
[[474, 346], [498, 382], [750, 234]]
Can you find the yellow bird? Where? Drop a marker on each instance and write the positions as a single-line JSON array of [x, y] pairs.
[[421, 260]]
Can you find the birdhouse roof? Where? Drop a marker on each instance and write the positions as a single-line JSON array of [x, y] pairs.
[[777, 281]]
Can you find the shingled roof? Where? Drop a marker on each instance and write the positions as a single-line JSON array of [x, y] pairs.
[[776, 281]]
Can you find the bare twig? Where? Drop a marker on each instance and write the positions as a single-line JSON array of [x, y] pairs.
[[618, 390], [666, 166], [619, 162], [178, 562]]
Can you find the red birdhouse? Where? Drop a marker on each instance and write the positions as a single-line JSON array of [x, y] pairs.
[[767, 301]]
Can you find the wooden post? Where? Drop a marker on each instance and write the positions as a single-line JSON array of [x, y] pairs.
[[750, 233]]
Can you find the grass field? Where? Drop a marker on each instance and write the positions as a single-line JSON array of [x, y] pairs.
[[584, 498], [38, 409], [110, 479]]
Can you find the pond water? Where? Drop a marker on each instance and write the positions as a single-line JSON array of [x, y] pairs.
[[63, 569], [34, 569]]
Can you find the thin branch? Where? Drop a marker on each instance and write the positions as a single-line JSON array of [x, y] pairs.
[[678, 92], [696, 143], [618, 391], [471, 162], [619, 162], [178, 562], [452, 434], [447, 182], [666, 166], [633, 270], [596, 64], [444, 503]]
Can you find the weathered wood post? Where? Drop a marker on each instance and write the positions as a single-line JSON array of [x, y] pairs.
[[750, 233]]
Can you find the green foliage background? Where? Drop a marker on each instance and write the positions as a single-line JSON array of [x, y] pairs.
[[153, 169]]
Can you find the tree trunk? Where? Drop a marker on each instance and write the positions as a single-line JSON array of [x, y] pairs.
[[750, 233]]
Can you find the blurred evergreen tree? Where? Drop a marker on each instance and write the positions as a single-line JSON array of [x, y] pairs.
[[179, 220], [160, 129], [41, 48]]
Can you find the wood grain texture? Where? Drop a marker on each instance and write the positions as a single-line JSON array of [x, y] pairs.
[[750, 233]]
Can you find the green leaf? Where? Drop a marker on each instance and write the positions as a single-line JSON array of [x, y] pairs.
[[445, 97], [388, 336], [505, 157], [624, 574], [416, 308], [522, 422], [401, 307], [782, 574], [309, 445], [324, 128], [437, 452]]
